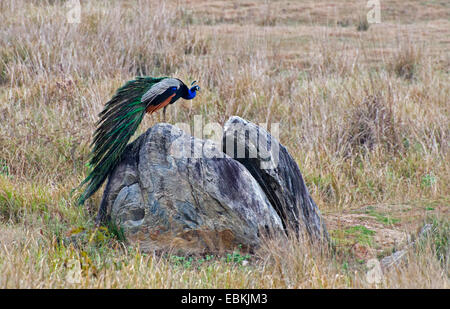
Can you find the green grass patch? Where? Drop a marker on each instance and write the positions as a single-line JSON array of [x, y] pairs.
[[382, 218], [362, 234], [349, 236]]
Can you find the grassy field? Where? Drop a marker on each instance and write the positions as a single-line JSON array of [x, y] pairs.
[[364, 111]]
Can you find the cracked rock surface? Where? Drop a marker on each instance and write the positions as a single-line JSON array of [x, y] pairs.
[[277, 173]]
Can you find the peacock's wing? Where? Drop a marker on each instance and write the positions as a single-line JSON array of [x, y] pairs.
[[161, 94], [119, 120], [160, 88]]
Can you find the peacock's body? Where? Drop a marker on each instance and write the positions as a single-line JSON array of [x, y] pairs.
[[120, 119]]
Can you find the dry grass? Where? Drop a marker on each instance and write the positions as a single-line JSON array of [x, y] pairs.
[[365, 114], [30, 260]]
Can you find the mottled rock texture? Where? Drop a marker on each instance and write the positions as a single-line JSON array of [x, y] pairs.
[[277, 173], [175, 191]]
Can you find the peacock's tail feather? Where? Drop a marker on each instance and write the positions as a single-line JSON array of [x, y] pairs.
[[119, 120]]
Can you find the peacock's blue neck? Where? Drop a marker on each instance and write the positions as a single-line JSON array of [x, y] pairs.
[[191, 94]]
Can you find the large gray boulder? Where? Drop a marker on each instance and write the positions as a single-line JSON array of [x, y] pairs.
[[278, 175], [175, 191]]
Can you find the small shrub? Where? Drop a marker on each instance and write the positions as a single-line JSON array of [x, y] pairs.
[[344, 23], [372, 123], [405, 62], [268, 20], [428, 180], [363, 24]]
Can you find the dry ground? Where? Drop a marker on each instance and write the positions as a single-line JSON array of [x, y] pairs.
[[365, 114]]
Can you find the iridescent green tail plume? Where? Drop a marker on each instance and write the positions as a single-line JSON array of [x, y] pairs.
[[118, 121]]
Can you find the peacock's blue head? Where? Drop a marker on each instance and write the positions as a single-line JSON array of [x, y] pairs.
[[193, 91]]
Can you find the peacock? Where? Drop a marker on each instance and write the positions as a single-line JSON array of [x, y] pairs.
[[120, 119]]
